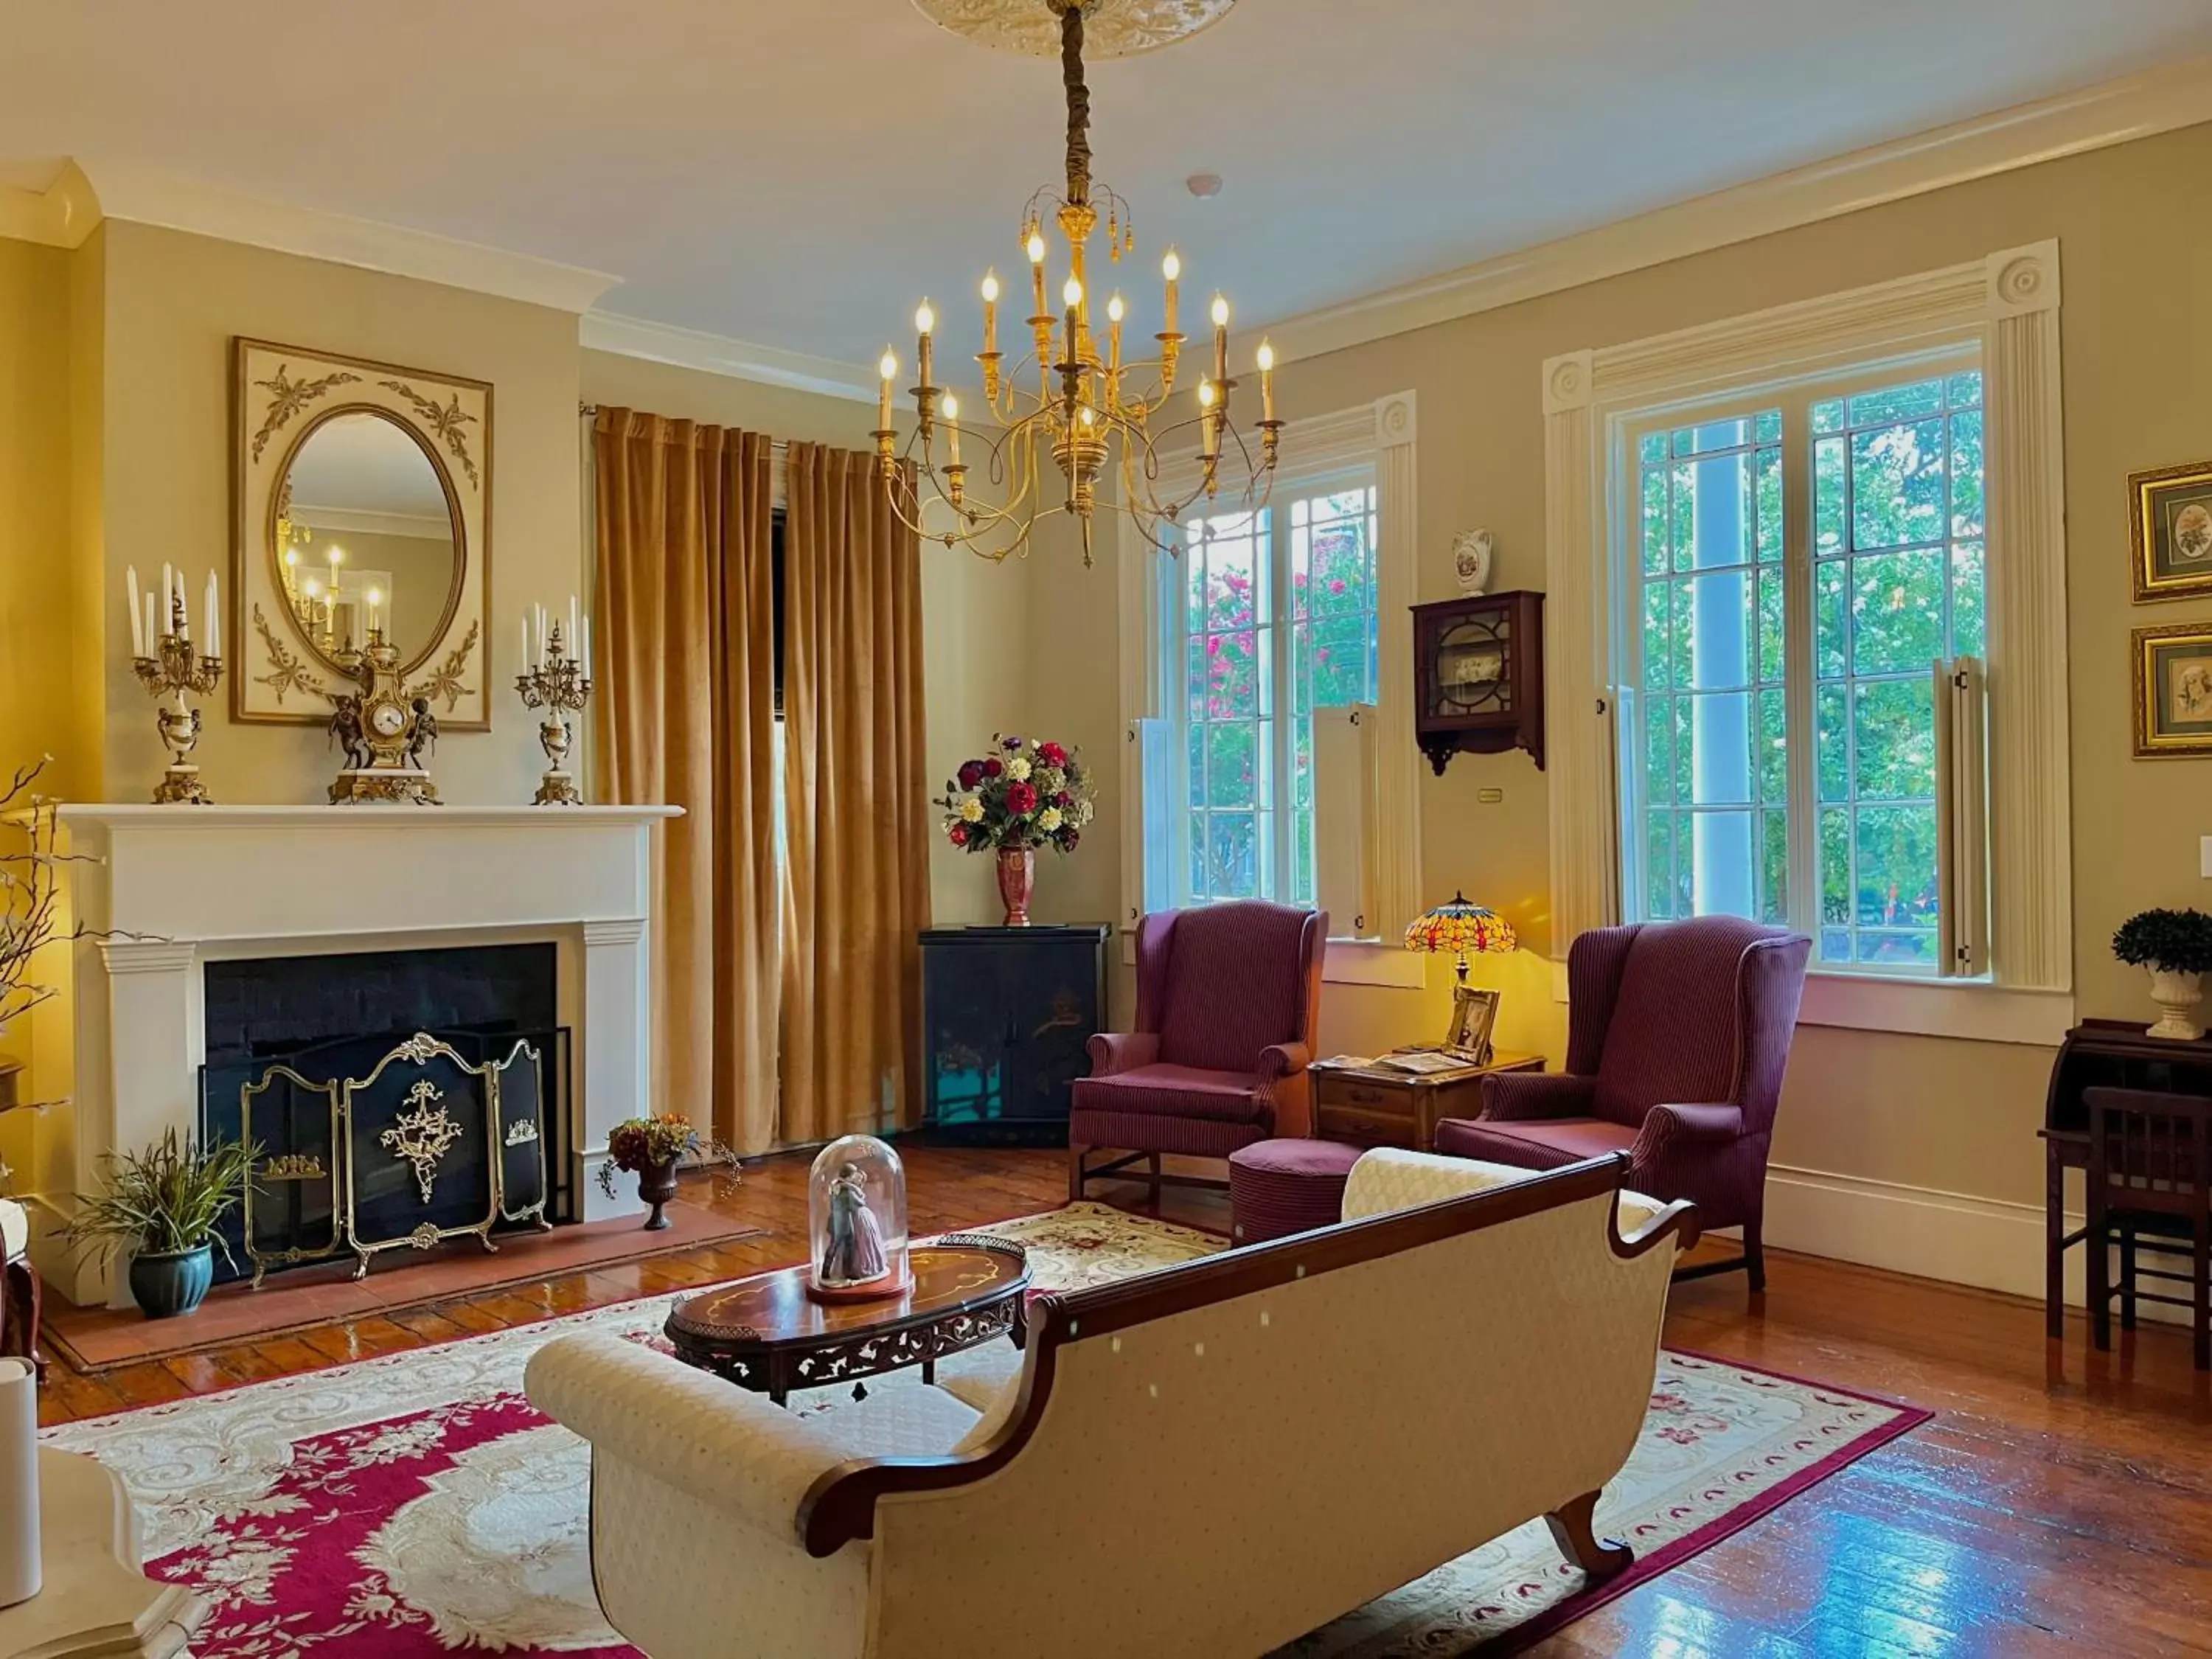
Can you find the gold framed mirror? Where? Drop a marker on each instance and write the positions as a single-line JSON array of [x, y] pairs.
[[364, 511]]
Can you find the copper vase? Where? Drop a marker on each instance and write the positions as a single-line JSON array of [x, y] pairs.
[[1016, 882], [656, 1185]]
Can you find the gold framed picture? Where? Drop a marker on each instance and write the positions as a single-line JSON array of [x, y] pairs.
[[2174, 689], [2170, 528]]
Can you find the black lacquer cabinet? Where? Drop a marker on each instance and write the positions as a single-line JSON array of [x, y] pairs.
[[1006, 1013]]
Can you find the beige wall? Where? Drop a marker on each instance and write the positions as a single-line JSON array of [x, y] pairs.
[[173, 302], [2137, 331]]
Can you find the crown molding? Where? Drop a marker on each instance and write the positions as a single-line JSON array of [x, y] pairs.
[[371, 521], [149, 197], [2094, 117], [718, 354], [60, 215]]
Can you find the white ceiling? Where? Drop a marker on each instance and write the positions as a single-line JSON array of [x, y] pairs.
[[797, 173]]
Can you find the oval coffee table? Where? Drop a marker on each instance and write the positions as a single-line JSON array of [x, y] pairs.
[[767, 1334]]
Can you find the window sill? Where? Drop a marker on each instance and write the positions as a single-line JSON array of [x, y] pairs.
[[1974, 1010]]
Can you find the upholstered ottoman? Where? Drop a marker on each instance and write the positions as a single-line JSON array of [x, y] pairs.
[[1277, 1187]]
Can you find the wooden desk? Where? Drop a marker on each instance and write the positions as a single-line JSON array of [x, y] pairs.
[[1374, 1106], [2100, 1054]]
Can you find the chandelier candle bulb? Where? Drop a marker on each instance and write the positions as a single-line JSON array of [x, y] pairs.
[[925, 324], [888, 367], [1034, 249], [952, 425], [990, 310], [1220, 340], [1267, 381], [1171, 268]]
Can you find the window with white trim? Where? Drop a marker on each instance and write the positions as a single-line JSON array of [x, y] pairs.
[[1267, 616], [1803, 574]]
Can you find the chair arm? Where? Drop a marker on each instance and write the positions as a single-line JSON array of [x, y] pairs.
[[686, 1428], [1685, 1125], [1524, 1097], [1283, 1060], [1121, 1051]]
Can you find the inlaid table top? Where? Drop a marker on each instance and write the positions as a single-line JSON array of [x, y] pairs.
[[766, 1333]]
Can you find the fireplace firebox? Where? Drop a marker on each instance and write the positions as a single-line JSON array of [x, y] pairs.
[[401, 1099]]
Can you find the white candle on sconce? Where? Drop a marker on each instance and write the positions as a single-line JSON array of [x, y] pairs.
[[585, 656], [168, 599], [209, 639], [153, 631], [526, 644], [137, 612]]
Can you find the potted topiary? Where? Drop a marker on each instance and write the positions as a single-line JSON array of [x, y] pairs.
[[2176, 945], [165, 1204]]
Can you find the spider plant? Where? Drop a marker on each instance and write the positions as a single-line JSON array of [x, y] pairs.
[[168, 1199]]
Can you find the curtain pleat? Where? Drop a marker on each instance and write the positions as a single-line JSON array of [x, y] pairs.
[[686, 717], [856, 797]]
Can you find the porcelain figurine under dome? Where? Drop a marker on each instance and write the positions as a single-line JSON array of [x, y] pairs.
[[856, 1222]]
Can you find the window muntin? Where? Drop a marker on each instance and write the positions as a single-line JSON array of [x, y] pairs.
[[1887, 471], [1272, 614]]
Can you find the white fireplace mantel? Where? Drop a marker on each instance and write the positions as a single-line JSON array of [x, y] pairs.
[[166, 889]]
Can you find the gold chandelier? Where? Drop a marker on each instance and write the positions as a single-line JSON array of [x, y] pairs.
[[1064, 399]]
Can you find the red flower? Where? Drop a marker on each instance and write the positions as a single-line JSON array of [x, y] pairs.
[[971, 774], [957, 833], [1336, 586], [1213, 645], [1068, 838], [1051, 754], [992, 767], [1021, 798], [1063, 800]]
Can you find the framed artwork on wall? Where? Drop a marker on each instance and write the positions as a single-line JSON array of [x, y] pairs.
[[362, 498], [2174, 689], [2170, 528]]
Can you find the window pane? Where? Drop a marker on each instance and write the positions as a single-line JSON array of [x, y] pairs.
[[1831, 617], [1828, 476], [1966, 390], [1720, 632], [1653, 448], [1772, 621], [1769, 512], [1896, 404], [1894, 739], [1774, 867], [1836, 881], [1828, 417], [1231, 764], [1832, 745], [1896, 611], [1235, 680], [1773, 747], [1714, 434], [1896, 867], [1966, 611], [1659, 750], [1897, 485], [1658, 635], [1720, 728], [1232, 855], [1655, 522], [1659, 864], [1966, 475]]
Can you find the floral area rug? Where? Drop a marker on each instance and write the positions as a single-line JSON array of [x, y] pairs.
[[415, 1504]]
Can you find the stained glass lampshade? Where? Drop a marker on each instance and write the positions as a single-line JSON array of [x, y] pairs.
[[1464, 928]]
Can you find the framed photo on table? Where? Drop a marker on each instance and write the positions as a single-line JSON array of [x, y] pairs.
[[2174, 689], [2169, 529]]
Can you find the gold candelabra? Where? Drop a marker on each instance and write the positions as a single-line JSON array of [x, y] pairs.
[[1086, 408], [176, 670], [558, 683]]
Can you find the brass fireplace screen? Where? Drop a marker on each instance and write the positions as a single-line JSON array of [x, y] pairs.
[[428, 1146]]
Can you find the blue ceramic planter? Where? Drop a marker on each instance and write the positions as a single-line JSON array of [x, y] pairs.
[[172, 1282]]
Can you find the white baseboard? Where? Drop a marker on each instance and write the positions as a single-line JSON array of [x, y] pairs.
[[1990, 1243]]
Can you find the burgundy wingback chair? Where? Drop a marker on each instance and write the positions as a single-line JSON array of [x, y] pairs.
[[1227, 997], [1677, 1035]]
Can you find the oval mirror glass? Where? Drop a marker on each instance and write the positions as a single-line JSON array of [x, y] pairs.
[[367, 538]]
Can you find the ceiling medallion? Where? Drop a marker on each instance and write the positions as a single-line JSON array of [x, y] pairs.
[[1112, 28], [1074, 397]]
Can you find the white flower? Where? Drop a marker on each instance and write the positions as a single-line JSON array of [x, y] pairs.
[[1052, 780], [1082, 811], [1049, 820], [1019, 769], [971, 810]]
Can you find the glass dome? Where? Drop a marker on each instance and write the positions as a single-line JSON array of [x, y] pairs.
[[856, 1221]]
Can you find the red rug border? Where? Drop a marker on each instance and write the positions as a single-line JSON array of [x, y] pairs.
[[1721, 1528]]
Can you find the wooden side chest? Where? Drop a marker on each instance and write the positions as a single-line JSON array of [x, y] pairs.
[[1375, 1106]]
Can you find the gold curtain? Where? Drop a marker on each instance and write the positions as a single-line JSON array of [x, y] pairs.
[[857, 800], [686, 717]]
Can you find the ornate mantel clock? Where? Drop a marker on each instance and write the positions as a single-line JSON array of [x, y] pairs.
[[1479, 676], [384, 729]]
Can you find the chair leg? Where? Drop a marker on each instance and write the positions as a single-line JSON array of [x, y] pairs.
[[2127, 1278], [19, 1314], [1600, 1558], [1075, 1177], [2100, 1278], [1755, 1255], [1154, 1165]]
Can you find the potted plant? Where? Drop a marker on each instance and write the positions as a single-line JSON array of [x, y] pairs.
[[651, 1148], [2176, 945], [165, 1204], [1020, 795]]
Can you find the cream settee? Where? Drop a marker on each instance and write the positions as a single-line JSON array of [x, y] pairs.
[[1207, 1460]]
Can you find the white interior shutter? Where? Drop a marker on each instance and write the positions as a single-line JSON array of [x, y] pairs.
[[1962, 824], [1344, 788], [1149, 837]]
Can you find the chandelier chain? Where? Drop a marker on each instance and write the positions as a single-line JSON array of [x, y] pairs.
[[1078, 105]]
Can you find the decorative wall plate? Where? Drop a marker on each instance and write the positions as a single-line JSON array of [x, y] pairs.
[[1111, 28], [363, 500]]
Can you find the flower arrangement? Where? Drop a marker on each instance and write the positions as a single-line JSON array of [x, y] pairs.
[[1021, 793], [651, 1147]]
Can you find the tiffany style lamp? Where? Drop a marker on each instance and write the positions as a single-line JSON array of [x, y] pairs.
[[1466, 929]]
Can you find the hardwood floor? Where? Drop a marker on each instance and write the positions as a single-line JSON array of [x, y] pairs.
[[2061, 1504]]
